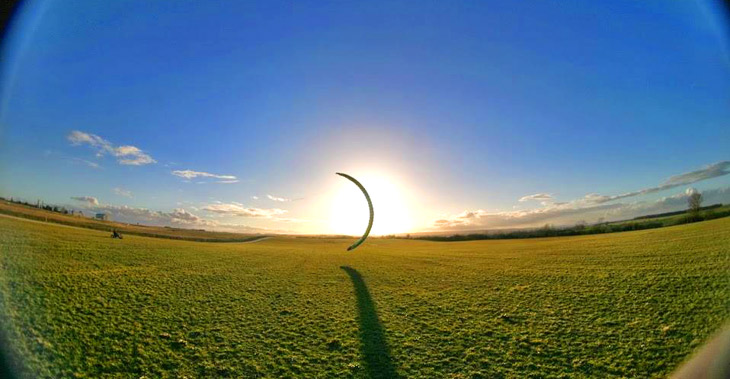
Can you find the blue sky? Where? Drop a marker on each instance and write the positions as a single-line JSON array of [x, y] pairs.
[[460, 109]]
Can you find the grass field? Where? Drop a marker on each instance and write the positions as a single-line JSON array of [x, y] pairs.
[[75, 302]]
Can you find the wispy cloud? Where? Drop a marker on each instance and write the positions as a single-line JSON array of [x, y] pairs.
[[238, 209], [122, 192], [592, 205], [279, 199], [177, 217], [255, 197], [190, 174], [537, 196], [571, 212], [708, 172], [88, 200], [125, 154], [85, 162]]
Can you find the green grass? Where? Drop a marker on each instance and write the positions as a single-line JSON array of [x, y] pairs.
[[75, 302]]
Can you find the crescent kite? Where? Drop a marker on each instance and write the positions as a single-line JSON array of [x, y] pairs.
[[370, 205]]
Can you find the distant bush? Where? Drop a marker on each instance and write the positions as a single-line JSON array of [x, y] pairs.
[[716, 214], [676, 213], [690, 217]]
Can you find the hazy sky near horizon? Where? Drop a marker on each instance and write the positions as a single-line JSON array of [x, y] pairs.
[[236, 115]]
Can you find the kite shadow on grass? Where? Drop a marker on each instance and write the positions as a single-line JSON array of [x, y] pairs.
[[374, 349]]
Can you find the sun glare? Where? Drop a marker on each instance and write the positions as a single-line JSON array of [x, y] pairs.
[[349, 213]]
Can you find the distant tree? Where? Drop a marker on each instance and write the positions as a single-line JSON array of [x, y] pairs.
[[547, 230], [694, 201]]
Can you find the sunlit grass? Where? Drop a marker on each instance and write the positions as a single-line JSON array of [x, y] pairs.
[[78, 303]]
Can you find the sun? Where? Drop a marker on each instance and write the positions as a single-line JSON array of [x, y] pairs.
[[349, 209]]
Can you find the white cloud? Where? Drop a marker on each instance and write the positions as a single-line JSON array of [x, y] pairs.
[[593, 205], [237, 209], [255, 197], [181, 216], [126, 155], [130, 155], [78, 138], [537, 196], [190, 174], [177, 217], [132, 214], [88, 163], [279, 199], [122, 192], [89, 200], [708, 172], [567, 213], [691, 191]]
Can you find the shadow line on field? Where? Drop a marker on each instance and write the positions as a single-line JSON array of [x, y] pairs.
[[374, 349]]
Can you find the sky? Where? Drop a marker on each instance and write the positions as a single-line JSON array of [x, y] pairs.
[[456, 116]]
